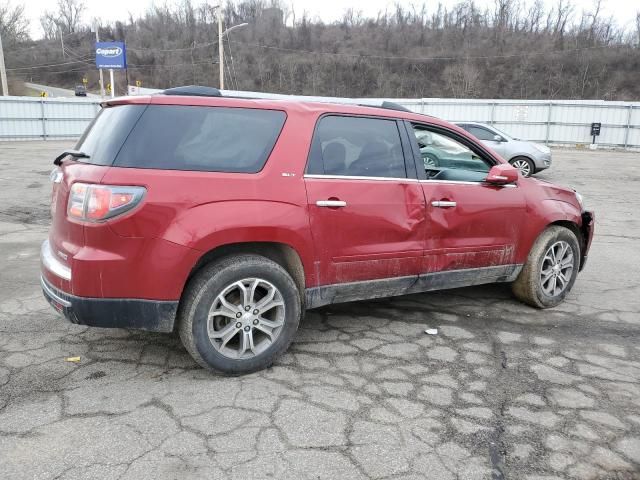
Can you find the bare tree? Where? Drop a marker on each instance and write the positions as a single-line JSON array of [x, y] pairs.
[[49, 25], [70, 13], [14, 26]]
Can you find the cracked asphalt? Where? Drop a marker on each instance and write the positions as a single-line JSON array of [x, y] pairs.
[[503, 391]]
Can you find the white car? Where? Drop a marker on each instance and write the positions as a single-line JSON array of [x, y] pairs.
[[528, 157]]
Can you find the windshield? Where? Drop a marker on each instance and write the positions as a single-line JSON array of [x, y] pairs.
[[503, 133]]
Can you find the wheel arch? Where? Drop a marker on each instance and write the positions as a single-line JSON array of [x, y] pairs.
[[578, 232], [284, 255], [522, 155]]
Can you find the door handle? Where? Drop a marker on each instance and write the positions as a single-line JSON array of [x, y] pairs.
[[443, 204], [331, 203]]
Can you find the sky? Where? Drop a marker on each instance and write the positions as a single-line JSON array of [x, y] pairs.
[[623, 11]]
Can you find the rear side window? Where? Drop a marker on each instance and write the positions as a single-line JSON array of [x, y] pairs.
[[211, 139], [107, 132], [357, 146]]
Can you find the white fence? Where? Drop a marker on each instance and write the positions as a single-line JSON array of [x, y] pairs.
[[557, 122], [551, 122], [26, 118]]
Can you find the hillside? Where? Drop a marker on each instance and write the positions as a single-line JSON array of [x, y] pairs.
[[510, 51]]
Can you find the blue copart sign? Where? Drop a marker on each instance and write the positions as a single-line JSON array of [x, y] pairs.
[[111, 55]]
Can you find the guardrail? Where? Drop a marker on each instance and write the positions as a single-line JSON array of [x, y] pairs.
[[553, 122]]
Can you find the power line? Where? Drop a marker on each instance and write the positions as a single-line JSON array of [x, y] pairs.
[[233, 67], [166, 50], [157, 65], [45, 65]]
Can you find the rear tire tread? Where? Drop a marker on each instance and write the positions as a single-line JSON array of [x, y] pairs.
[[199, 286]]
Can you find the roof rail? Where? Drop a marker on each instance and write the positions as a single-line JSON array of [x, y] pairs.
[[385, 105], [194, 91], [395, 106]]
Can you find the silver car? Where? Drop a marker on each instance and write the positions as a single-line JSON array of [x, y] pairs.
[[528, 157]]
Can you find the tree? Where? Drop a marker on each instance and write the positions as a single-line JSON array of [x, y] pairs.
[[69, 15], [67, 18], [14, 26]]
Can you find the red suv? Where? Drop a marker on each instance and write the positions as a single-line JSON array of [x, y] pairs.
[[225, 218]]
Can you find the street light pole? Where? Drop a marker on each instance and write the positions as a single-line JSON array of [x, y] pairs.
[[221, 35], [220, 49], [3, 71], [100, 70]]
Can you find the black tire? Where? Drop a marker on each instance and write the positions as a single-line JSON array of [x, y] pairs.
[[204, 288], [524, 160], [528, 286]]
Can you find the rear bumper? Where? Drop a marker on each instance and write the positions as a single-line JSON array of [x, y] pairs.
[[151, 315], [588, 223]]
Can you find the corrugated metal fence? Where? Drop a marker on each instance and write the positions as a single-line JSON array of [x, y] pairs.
[[557, 122], [552, 122], [26, 118]]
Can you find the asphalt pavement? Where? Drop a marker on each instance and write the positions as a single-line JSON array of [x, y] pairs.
[[502, 391]]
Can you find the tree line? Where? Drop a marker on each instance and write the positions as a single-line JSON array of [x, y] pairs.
[[510, 50]]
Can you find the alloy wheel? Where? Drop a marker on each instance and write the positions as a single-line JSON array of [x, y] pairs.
[[557, 268], [524, 166], [246, 318], [430, 162]]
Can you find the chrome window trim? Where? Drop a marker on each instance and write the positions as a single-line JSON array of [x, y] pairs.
[[356, 177], [51, 263], [399, 179], [460, 182]]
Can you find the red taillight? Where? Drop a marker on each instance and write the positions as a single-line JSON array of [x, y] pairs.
[[95, 203]]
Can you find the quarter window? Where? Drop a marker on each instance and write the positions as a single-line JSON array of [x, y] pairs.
[[209, 139], [357, 146]]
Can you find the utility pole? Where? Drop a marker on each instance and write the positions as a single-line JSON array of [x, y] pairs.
[[100, 70], [3, 71], [220, 49]]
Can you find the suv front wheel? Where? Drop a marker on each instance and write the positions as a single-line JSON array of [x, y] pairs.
[[524, 165], [239, 314], [551, 269]]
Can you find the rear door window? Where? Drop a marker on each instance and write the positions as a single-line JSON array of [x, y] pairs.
[[357, 147], [211, 139]]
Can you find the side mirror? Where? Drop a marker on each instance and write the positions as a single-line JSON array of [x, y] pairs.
[[498, 138], [502, 174]]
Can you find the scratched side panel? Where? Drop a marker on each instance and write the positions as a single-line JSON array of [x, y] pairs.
[[379, 234], [482, 230]]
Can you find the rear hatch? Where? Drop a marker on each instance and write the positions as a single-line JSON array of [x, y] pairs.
[[100, 143]]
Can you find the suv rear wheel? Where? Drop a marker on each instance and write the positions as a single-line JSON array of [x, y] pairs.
[[239, 314], [551, 269]]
